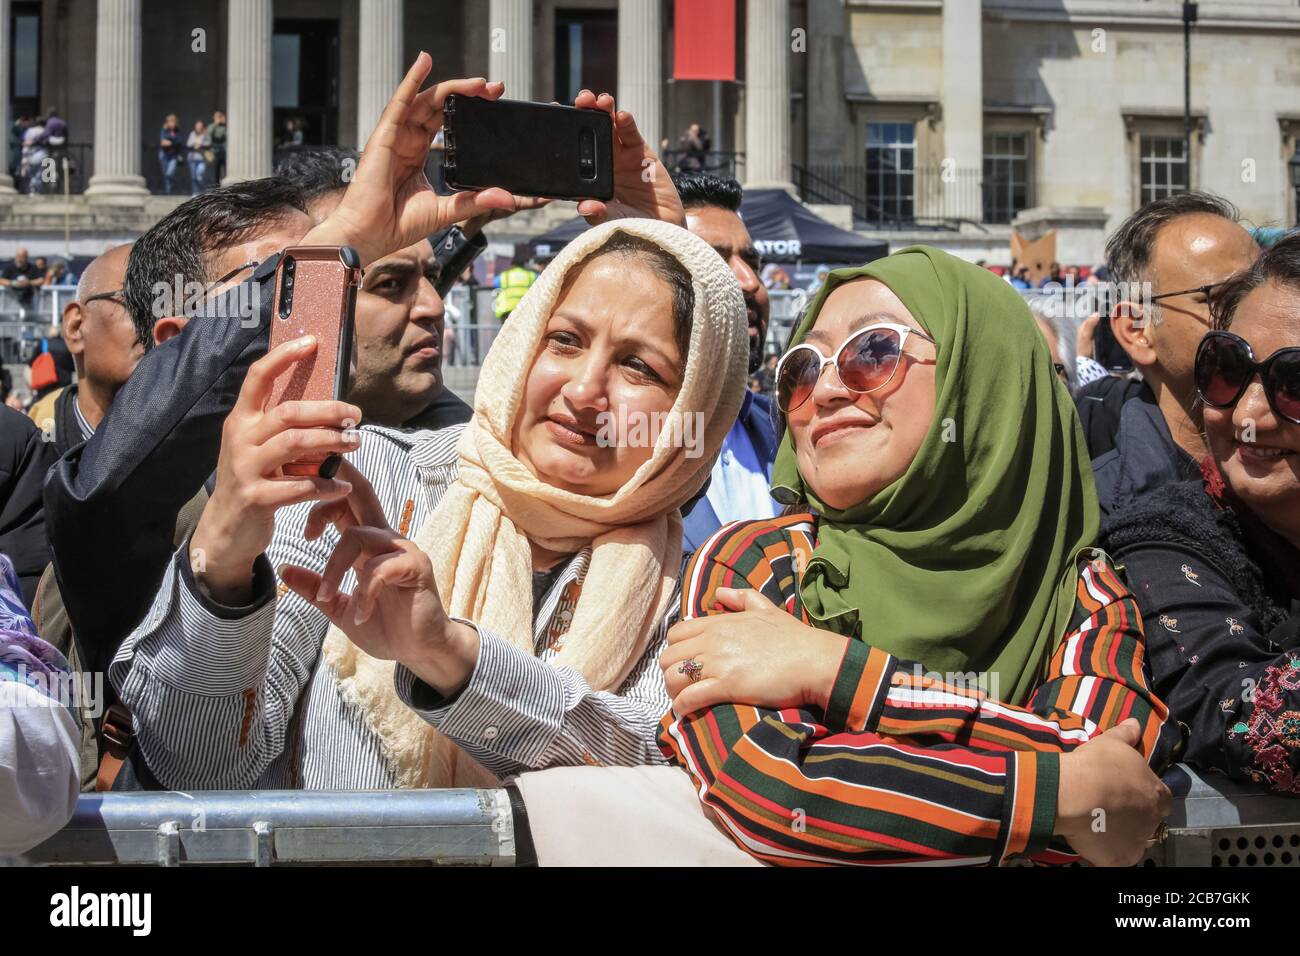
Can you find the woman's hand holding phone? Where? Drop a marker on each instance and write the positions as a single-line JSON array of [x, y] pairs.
[[643, 189], [257, 441], [389, 204]]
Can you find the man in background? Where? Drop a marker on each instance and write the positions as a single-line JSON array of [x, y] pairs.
[[1166, 260], [739, 483]]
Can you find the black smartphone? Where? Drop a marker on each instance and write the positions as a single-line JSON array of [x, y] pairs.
[[1105, 347], [529, 149]]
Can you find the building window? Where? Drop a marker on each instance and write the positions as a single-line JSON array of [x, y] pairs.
[[1164, 168], [891, 167], [25, 63], [1293, 174], [1007, 175]]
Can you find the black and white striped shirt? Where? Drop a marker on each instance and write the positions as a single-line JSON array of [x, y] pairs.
[[239, 698]]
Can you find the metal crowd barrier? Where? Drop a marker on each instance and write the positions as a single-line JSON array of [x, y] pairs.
[[1215, 822], [265, 827]]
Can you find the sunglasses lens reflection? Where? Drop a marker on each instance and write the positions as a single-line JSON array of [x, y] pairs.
[[869, 359], [1284, 382], [1221, 370], [797, 380]]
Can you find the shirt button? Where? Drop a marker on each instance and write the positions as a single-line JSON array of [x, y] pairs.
[[490, 733]]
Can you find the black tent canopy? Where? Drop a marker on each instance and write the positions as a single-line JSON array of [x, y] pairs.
[[784, 230]]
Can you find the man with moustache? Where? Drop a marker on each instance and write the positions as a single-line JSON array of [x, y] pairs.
[[738, 485]]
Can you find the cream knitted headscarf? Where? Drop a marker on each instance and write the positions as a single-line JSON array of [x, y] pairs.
[[478, 536]]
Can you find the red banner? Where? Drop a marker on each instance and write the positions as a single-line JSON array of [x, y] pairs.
[[704, 40]]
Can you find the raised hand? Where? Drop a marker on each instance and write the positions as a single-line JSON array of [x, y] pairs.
[[256, 442], [642, 187], [390, 204]]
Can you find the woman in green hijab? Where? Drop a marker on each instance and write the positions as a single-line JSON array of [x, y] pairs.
[[924, 659]]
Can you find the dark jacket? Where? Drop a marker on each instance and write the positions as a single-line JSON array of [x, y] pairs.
[[25, 456], [699, 519], [1100, 405], [1220, 601], [445, 410], [1145, 457], [125, 487]]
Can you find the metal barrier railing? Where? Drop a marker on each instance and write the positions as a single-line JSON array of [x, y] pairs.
[[45, 307], [1215, 822], [262, 827]]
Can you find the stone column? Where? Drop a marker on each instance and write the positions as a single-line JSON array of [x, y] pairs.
[[118, 141], [379, 67], [6, 181], [963, 107], [767, 93], [249, 116], [640, 67], [510, 46], [829, 121]]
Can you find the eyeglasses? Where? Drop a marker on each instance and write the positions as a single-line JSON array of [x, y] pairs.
[[115, 296], [250, 264], [1225, 365], [865, 361], [1204, 290]]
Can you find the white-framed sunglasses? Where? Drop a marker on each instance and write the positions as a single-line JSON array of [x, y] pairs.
[[865, 361]]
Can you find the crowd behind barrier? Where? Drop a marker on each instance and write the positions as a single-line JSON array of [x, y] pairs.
[[481, 626]]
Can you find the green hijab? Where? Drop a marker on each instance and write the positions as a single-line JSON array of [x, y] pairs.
[[966, 562]]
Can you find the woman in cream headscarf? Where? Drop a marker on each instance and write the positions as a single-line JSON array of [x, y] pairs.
[[528, 613]]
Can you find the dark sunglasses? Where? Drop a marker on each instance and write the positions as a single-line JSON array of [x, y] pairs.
[[865, 362], [1225, 365]]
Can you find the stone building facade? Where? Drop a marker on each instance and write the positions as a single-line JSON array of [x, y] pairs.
[[947, 121]]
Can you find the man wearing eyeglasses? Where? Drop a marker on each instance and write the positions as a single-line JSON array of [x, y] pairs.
[[98, 332], [1166, 261]]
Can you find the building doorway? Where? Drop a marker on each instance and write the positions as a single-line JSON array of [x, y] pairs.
[[305, 86], [586, 52]]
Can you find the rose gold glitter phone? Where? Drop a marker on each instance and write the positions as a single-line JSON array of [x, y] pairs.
[[316, 294]]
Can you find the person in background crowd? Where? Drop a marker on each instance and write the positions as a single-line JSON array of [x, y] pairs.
[[22, 278], [169, 151], [1054, 277], [42, 265], [693, 149], [517, 512], [34, 155], [1020, 278], [818, 280], [25, 457], [38, 732], [197, 145], [59, 275], [50, 371], [1166, 260], [1071, 279], [218, 133], [775, 277], [1057, 330], [102, 341], [512, 284], [1215, 560], [738, 483]]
